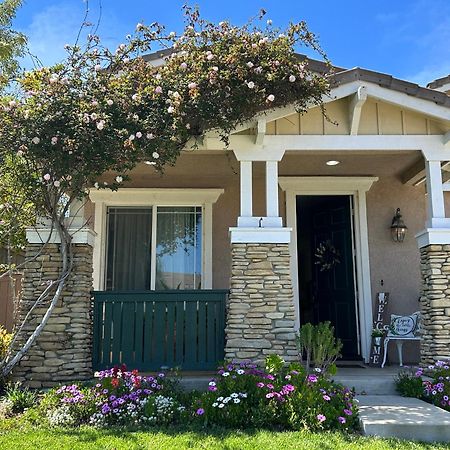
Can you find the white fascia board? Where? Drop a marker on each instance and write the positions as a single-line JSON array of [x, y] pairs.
[[404, 100], [159, 196], [272, 143], [326, 184]]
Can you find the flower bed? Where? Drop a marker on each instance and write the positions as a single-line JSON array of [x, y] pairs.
[[241, 395], [431, 384], [244, 396]]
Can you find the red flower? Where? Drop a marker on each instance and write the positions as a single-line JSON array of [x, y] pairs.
[[115, 382]]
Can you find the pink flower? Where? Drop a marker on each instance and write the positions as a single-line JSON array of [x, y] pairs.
[[260, 385], [47, 177], [210, 57], [327, 398], [54, 140], [342, 419], [321, 418], [183, 66], [100, 125], [192, 85], [158, 90], [109, 102], [312, 378], [57, 184], [270, 386], [138, 134]]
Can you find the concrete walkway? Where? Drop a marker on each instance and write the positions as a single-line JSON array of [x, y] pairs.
[[404, 418]]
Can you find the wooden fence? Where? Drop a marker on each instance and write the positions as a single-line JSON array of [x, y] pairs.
[[7, 300], [152, 329]]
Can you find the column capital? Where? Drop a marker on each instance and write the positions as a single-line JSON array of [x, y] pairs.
[[262, 154]]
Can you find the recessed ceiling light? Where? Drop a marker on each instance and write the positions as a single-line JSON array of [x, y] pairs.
[[333, 162]]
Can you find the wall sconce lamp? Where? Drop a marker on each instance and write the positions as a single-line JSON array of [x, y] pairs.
[[398, 227]]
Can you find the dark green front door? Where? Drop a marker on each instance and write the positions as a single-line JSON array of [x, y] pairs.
[[326, 258]]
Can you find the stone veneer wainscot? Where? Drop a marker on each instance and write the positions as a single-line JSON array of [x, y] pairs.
[[260, 311], [63, 350]]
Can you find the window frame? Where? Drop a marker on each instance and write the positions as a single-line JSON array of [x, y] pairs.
[[147, 197]]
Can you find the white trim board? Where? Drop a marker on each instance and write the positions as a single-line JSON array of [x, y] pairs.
[[152, 197], [356, 187]]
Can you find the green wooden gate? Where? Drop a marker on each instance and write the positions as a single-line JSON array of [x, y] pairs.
[[152, 329]]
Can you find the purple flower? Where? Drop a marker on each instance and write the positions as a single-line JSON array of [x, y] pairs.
[[348, 412], [270, 377], [270, 386], [200, 412], [105, 409], [342, 419], [212, 388], [260, 385], [326, 398], [289, 388], [312, 378], [321, 418]]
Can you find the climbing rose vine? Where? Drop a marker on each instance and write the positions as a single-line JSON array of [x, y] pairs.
[[104, 111], [100, 112]]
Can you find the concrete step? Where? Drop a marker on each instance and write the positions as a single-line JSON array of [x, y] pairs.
[[403, 418], [368, 384]]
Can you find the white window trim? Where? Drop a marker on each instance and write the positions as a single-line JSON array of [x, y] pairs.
[[356, 187], [149, 197]]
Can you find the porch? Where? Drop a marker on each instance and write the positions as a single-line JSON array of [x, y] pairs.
[[229, 219]]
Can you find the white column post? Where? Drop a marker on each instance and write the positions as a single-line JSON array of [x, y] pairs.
[[246, 189], [272, 189], [436, 208]]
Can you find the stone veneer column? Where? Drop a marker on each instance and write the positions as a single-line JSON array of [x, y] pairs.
[[435, 303], [260, 313], [63, 350]]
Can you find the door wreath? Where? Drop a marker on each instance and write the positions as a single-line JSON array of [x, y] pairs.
[[327, 256]]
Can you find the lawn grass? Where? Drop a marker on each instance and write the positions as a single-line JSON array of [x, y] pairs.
[[16, 435]]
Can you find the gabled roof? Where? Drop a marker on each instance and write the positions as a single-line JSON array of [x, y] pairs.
[[439, 82], [340, 76]]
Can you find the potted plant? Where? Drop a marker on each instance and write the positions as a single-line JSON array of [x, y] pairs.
[[377, 334]]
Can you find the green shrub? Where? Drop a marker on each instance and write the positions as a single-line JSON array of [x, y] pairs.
[[20, 398], [318, 345], [408, 384]]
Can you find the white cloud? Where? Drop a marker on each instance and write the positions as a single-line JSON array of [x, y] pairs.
[[59, 24]]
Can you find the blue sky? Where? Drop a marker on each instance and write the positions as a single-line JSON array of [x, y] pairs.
[[409, 39]]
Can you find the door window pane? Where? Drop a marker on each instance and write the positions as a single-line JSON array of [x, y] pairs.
[[129, 249], [178, 248]]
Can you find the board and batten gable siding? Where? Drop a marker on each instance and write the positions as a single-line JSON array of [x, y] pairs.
[[377, 118]]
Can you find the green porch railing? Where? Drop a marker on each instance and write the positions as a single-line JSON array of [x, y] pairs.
[[147, 330]]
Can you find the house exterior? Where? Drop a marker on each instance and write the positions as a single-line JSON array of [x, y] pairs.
[[232, 249]]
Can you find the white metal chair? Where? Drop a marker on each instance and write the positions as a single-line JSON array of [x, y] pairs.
[[400, 330]]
